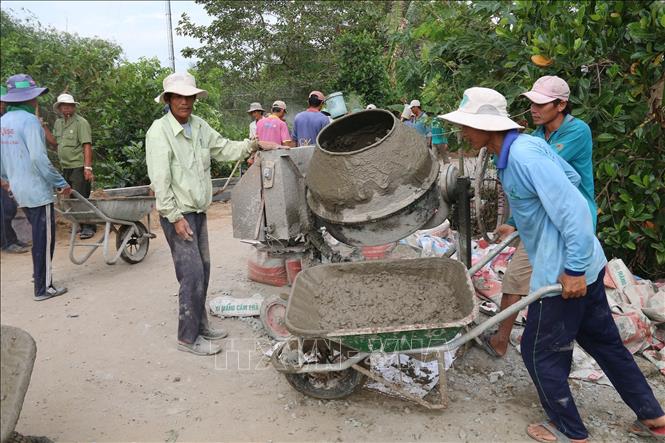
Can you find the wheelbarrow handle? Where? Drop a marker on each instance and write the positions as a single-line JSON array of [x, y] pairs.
[[496, 251]]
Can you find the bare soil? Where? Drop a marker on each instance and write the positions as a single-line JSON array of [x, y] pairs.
[[107, 368]]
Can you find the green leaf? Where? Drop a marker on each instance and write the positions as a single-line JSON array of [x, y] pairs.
[[578, 44], [605, 137]]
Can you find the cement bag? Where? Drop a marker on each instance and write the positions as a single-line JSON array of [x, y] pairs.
[[655, 307], [634, 328]]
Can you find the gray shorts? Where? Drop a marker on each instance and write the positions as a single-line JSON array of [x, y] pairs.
[[518, 273]]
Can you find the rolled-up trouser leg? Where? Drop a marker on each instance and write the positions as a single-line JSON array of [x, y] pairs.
[[192, 267]]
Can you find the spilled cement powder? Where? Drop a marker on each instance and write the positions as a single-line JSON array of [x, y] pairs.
[[390, 298]]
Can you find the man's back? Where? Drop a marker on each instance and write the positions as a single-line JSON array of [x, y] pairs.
[[272, 129], [307, 125]]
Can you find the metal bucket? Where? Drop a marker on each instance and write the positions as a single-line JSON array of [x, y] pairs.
[[372, 180], [335, 105]]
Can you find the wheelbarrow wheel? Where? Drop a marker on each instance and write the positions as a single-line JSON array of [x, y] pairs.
[[328, 385], [137, 246]]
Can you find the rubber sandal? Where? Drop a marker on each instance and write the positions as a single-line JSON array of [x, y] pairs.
[[643, 430], [484, 342], [559, 437], [200, 347]]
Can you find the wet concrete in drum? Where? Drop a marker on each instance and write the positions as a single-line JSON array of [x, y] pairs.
[[385, 299]]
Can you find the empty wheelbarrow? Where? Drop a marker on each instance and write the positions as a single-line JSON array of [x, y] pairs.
[[119, 214]]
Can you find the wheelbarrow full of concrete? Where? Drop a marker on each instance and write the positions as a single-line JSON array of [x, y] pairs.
[[342, 313], [17, 358]]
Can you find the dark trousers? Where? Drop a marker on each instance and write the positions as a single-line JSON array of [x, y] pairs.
[[76, 179], [8, 210], [553, 324], [192, 269], [42, 219]]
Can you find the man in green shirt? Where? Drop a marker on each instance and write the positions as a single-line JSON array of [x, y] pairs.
[[179, 147], [73, 139]]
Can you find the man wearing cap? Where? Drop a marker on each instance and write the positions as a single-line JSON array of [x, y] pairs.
[[555, 225], [570, 137], [179, 147], [308, 124], [273, 128], [420, 122], [255, 111], [29, 175], [73, 139]]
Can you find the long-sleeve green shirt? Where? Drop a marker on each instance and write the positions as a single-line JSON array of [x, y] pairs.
[[179, 163]]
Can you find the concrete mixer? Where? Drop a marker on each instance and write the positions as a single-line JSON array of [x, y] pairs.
[[370, 180]]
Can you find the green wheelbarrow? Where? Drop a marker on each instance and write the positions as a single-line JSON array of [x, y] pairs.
[[327, 362]]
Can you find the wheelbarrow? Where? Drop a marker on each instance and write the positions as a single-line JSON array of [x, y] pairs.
[[17, 354], [326, 362], [119, 214]]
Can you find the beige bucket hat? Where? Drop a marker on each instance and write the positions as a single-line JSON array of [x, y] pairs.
[[484, 109], [255, 106], [64, 98], [181, 83]]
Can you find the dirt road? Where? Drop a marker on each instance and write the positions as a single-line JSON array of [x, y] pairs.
[[107, 368]]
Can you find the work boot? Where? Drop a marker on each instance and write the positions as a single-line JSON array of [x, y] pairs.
[[51, 292]]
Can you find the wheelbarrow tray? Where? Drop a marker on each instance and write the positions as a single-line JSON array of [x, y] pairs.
[[131, 209], [306, 319], [17, 357]]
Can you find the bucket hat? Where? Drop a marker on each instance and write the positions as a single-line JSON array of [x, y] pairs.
[[547, 89], [181, 83], [21, 88], [279, 104], [317, 94], [414, 103], [484, 109], [371, 106], [64, 98], [255, 106], [406, 113]]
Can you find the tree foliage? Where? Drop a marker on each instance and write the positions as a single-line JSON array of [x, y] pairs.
[[611, 54]]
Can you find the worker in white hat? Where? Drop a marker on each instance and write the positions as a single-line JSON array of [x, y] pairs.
[[555, 225], [72, 137], [255, 112], [179, 147], [420, 121]]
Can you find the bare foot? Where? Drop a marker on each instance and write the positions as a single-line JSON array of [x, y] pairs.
[[499, 347], [539, 433]]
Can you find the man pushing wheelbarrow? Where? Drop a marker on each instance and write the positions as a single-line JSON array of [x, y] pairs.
[[554, 223]]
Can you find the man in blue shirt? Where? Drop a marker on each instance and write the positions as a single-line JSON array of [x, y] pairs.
[[420, 122], [571, 139], [555, 225], [308, 124], [30, 176]]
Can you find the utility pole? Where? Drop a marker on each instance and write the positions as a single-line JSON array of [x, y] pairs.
[[169, 24]]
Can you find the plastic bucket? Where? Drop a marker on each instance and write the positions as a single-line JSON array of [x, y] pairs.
[[335, 104]]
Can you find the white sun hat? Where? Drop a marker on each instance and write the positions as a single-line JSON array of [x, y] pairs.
[[414, 103], [484, 109], [181, 83], [64, 98]]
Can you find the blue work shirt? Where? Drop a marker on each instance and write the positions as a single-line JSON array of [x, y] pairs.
[[420, 123], [23, 160], [307, 125], [572, 141], [550, 213]]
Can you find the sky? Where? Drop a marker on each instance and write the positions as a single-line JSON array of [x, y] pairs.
[[139, 27]]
